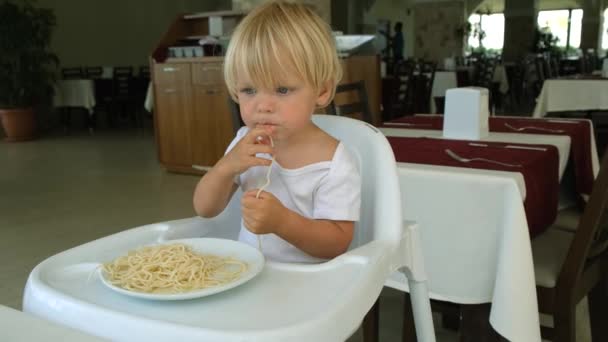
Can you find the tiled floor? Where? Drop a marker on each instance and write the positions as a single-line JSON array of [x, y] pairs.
[[61, 191]]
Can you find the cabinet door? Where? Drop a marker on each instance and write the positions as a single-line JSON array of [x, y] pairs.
[[176, 74], [207, 74], [212, 128], [173, 116]]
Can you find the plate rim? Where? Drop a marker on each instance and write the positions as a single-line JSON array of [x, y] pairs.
[[251, 273]]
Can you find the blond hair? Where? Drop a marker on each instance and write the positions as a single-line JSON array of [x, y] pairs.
[[279, 37]]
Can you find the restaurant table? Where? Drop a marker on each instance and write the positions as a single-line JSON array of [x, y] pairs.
[[474, 229], [538, 165], [149, 100], [572, 94], [75, 93], [583, 148], [445, 80], [561, 142], [475, 242]]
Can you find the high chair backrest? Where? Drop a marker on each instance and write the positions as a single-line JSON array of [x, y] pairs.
[[380, 194]]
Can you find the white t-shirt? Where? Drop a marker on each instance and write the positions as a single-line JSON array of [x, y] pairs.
[[325, 190]]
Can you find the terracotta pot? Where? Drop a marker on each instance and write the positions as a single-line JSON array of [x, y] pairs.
[[19, 124]]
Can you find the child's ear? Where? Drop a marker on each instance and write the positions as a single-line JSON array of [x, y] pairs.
[[325, 94]]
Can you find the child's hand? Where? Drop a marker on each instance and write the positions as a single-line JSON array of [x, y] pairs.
[[242, 156], [262, 215]]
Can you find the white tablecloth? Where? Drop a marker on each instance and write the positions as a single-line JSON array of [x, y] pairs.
[[475, 234], [19, 326], [500, 77], [475, 242], [571, 95], [445, 80], [108, 72], [595, 162], [149, 101], [75, 93]]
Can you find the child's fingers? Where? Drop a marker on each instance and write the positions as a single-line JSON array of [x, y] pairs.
[[263, 194], [252, 136], [255, 149], [250, 193], [255, 161]]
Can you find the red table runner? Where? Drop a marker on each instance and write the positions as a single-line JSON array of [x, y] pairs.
[[539, 169], [579, 132]]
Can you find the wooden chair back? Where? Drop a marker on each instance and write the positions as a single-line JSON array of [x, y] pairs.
[[358, 109]]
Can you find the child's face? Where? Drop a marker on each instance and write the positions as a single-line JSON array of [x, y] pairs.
[[287, 108]]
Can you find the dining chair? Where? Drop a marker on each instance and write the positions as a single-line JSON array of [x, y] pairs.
[[439, 104], [402, 93], [144, 72], [139, 88], [65, 113], [355, 109], [484, 77], [570, 265], [93, 72], [103, 91], [122, 93], [235, 113], [73, 73], [423, 86]]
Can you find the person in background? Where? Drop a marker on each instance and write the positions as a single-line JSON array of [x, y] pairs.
[[397, 42]]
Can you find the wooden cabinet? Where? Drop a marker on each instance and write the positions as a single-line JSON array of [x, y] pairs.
[[193, 122], [173, 113], [211, 124]]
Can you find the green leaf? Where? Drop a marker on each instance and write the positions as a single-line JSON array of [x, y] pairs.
[[27, 66]]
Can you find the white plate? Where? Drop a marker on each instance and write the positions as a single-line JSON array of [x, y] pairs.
[[219, 247]]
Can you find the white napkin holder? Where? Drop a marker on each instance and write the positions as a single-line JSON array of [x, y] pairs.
[[605, 68], [466, 113]]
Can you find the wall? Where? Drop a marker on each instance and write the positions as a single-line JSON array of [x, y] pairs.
[[323, 6], [394, 11], [435, 29], [115, 32]]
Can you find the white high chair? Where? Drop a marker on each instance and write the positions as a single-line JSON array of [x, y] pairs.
[[285, 302]]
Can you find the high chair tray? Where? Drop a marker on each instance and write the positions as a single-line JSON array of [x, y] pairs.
[[286, 302]]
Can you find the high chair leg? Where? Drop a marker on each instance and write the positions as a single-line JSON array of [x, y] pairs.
[[409, 328], [371, 323]]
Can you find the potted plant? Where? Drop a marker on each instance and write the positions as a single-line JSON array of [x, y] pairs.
[[27, 67]]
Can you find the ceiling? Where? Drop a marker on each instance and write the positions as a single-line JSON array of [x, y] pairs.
[[494, 6]]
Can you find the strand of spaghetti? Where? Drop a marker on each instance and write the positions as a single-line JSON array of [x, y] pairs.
[[264, 187], [171, 269]]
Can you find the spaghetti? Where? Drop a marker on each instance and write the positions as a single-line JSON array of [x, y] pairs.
[[257, 195], [173, 268]]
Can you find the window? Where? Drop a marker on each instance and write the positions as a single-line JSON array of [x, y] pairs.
[[557, 23], [492, 27]]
